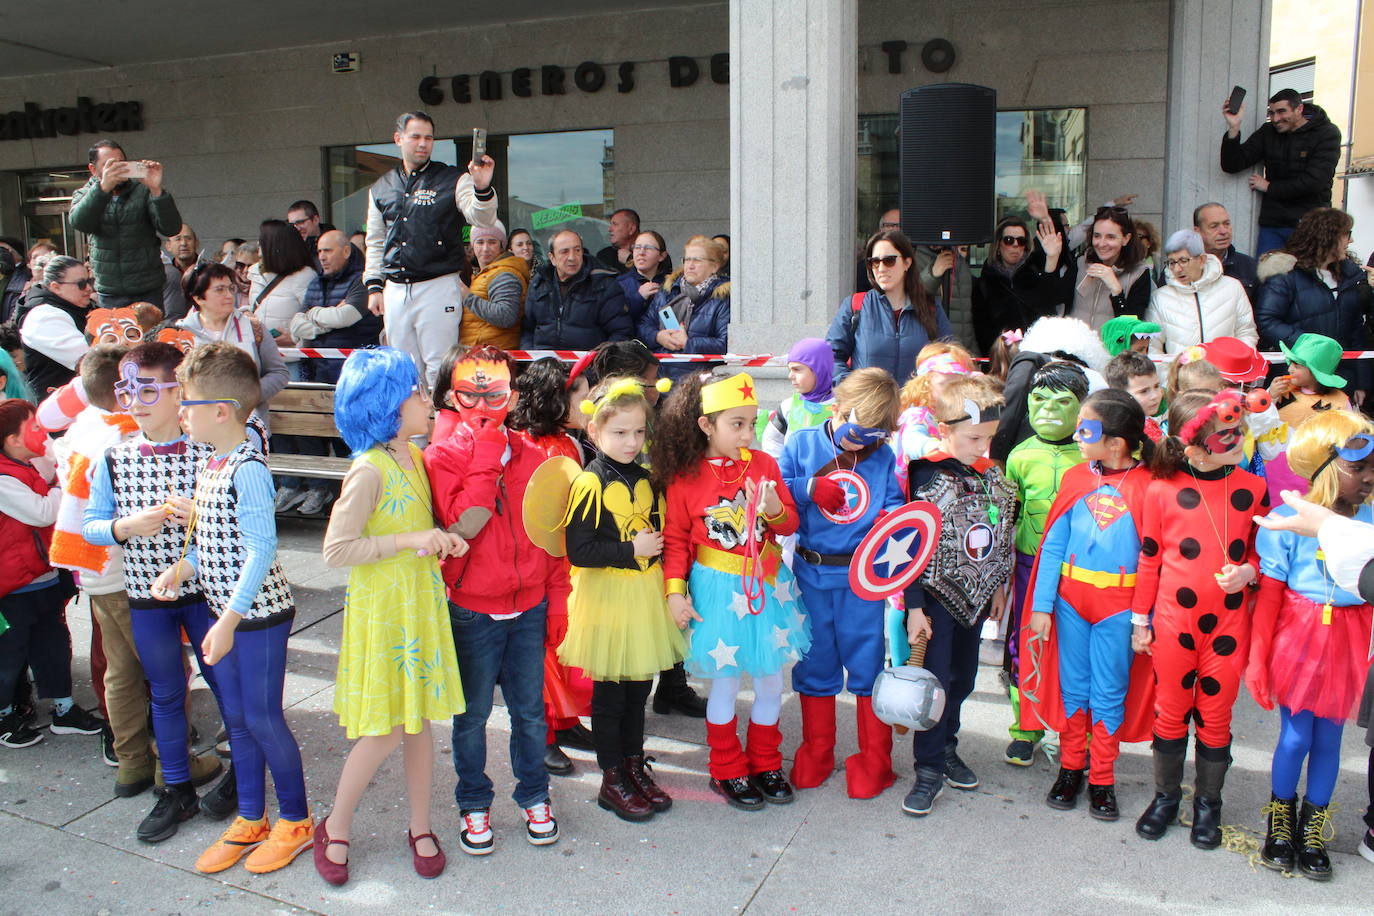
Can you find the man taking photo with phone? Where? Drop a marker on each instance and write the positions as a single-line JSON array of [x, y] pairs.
[[123, 209]]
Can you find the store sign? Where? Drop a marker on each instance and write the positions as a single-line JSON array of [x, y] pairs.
[[550, 79], [543, 219], [86, 117]]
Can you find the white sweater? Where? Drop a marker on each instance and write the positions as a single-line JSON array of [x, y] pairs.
[[1189, 314], [285, 300]]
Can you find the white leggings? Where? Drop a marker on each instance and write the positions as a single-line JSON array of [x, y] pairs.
[[720, 703]]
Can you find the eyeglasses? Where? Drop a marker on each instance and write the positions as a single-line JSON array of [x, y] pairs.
[[645, 248], [83, 283], [144, 392], [1017, 241], [220, 288], [300, 222], [198, 403], [886, 226], [887, 260], [696, 260], [1176, 263]]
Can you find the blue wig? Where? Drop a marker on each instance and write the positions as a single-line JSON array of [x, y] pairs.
[[367, 401], [16, 386]]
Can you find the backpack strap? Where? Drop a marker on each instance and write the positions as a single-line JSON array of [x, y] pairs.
[[856, 301]]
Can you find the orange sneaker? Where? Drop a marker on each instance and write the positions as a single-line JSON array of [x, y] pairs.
[[241, 836], [287, 840]]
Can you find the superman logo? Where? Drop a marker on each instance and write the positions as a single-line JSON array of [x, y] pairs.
[[1106, 508]]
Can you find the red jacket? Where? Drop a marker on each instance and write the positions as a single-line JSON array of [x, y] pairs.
[[503, 571], [25, 554]]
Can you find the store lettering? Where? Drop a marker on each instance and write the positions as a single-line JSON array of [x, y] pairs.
[[551, 79], [87, 117]]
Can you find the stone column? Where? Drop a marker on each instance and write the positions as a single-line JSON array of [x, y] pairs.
[[1213, 45], [793, 123]]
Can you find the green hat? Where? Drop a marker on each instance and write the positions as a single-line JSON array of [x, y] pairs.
[[1319, 354], [1117, 333]]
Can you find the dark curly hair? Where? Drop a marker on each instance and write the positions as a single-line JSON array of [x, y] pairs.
[[679, 444], [443, 382], [620, 357], [542, 405], [1318, 235]]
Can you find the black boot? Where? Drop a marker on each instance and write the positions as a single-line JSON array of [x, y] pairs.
[[175, 803], [1063, 794], [556, 763], [1278, 852], [1102, 802], [1163, 810], [674, 695], [1314, 825], [1211, 764], [577, 737]]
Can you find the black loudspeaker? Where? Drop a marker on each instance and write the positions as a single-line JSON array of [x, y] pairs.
[[948, 152]]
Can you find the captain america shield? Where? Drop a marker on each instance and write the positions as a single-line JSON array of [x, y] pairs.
[[896, 551], [856, 497]]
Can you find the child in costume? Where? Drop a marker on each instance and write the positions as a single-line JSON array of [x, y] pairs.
[[918, 431], [32, 595], [1197, 559], [1078, 673], [1311, 385], [383, 527], [1309, 649], [232, 541], [507, 597], [1136, 374], [1002, 352], [1035, 468], [140, 493], [811, 370], [1128, 334], [619, 629], [1243, 368], [726, 506], [1190, 371], [969, 577], [841, 475], [542, 416]]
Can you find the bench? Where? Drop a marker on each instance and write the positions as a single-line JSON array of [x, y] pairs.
[[305, 409]]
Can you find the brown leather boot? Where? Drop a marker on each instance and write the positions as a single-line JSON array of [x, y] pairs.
[[639, 772], [619, 795]]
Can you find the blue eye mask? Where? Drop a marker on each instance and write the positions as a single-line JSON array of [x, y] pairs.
[[1356, 448], [1088, 431], [855, 434]]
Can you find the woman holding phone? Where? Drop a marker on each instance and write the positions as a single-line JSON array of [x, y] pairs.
[[691, 314], [650, 265]]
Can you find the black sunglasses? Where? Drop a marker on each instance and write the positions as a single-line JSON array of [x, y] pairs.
[[83, 283], [1017, 240], [887, 260]]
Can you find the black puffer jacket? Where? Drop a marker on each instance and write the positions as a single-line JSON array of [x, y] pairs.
[[1300, 165], [591, 311], [1295, 300], [1004, 303]]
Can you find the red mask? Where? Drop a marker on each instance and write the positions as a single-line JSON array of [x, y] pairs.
[[481, 391], [35, 436]]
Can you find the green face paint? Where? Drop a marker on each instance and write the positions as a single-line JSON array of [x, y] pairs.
[[1053, 413]]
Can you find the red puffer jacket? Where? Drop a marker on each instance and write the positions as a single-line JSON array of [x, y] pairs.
[[503, 571], [25, 556]]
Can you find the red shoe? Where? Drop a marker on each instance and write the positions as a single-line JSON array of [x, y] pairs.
[[427, 866], [330, 871], [869, 772], [815, 758]]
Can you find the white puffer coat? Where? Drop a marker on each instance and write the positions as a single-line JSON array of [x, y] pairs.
[[1215, 306]]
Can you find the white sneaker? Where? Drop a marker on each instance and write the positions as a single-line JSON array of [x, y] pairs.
[[314, 502], [476, 837], [540, 827], [288, 498]]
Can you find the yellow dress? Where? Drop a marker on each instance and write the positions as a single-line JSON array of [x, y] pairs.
[[397, 664], [619, 628]]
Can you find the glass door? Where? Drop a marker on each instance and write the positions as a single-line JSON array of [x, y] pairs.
[[46, 198]]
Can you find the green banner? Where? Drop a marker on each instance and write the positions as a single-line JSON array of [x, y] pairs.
[[543, 219]]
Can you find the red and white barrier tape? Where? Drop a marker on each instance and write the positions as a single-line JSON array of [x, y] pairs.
[[571, 356]]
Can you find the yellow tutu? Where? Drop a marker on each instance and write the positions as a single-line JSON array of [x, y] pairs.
[[619, 628]]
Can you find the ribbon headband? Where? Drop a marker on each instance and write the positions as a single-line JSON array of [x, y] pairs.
[[975, 414], [944, 363]]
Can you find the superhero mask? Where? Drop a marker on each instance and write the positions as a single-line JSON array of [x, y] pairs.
[[852, 432], [1088, 432], [1356, 448], [35, 437], [481, 391], [133, 388], [116, 326], [1053, 413], [182, 340]]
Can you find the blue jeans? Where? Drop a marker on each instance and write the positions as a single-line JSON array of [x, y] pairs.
[[157, 636], [509, 653], [1271, 238]]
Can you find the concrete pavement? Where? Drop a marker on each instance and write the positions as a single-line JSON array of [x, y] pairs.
[[68, 846]]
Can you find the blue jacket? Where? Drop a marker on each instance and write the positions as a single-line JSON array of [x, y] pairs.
[[330, 290], [590, 312], [630, 281], [1296, 301], [808, 451], [707, 324], [873, 337]]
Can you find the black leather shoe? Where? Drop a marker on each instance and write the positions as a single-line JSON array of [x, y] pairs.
[[1206, 832], [174, 804], [1314, 825], [1102, 802], [579, 738], [223, 799], [773, 786], [1063, 794], [738, 793], [1162, 812], [1278, 852], [556, 762], [674, 695]]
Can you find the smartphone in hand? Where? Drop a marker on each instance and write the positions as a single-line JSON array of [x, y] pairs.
[[479, 144], [1237, 96], [668, 318]]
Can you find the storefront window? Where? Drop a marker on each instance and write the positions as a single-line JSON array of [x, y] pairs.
[[1043, 149], [46, 198], [544, 182]]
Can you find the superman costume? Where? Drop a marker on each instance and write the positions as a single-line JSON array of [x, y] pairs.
[[846, 630], [1083, 677]]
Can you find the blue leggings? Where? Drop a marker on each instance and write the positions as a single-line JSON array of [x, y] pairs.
[[250, 681], [1303, 735], [157, 637]]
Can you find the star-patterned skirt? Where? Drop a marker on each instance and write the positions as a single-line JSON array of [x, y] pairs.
[[730, 640], [619, 628]]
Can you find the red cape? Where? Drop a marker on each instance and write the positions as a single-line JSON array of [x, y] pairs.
[[1042, 705]]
